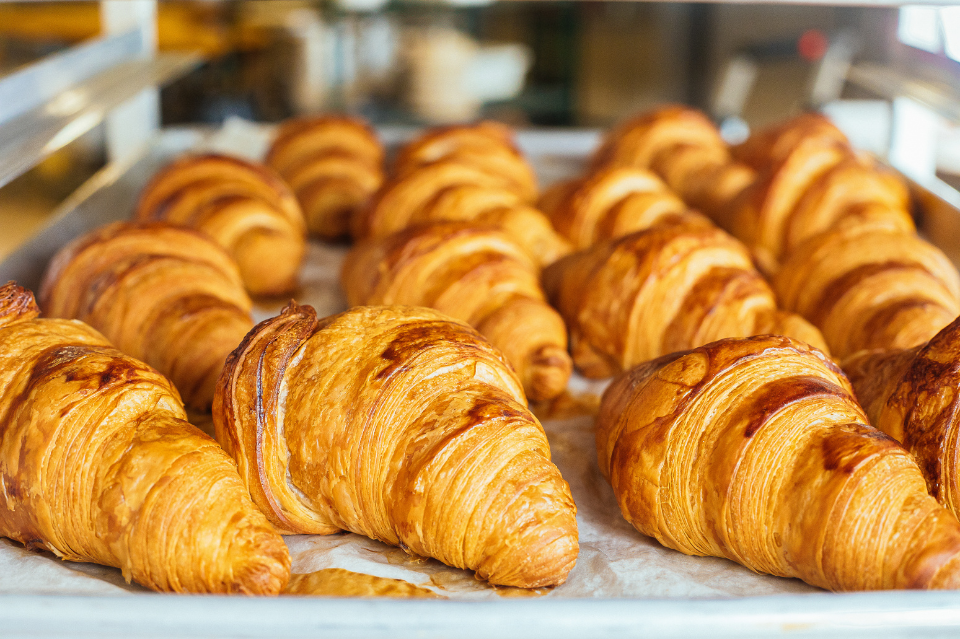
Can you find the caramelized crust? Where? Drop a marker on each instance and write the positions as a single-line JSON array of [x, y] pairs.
[[755, 450], [98, 463], [869, 285], [677, 285], [911, 395], [402, 425], [168, 296], [610, 203], [244, 206], [476, 275], [486, 145], [333, 164]]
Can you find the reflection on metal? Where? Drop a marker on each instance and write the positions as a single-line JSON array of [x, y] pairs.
[[890, 83], [35, 133]]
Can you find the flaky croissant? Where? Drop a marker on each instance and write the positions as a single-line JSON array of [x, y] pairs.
[[676, 285], [402, 425], [911, 395], [486, 145], [168, 296], [333, 164], [474, 274], [813, 188], [610, 203], [98, 463], [500, 208], [773, 144], [755, 450], [244, 206], [869, 285]]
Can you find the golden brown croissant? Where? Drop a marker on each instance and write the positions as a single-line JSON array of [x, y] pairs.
[[99, 464], [486, 145], [813, 188], [333, 164], [869, 285], [499, 208], [402, 198], [772, 144], [638, 141], [244, 206], [474, 274], [610, 203], [911, 395], [402, 425], [165, 295], [676, 285], [755, 450]]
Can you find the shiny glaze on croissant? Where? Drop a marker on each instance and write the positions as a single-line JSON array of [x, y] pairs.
[[98, 463], [333, 164], [244, 206], [402, 425], [869, 285], [168, 296], [815, 187], [755, 450], [486, 145], [911, 395], [476, 275], [500, 208], [677, 285], [610, 203]]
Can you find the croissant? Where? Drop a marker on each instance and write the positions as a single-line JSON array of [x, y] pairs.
[[869, 285], [674, 286], [244, 206], [486, 145], [772, 144], [610, 203], [638, 141], [168, 296], [755, 450], [910, 394], [500, 208], [476, 275], [402, 425], [400, 199], [810, 190], [332, 164], [99, 464]]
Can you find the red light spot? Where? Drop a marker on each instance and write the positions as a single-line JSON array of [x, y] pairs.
[[812, 45]]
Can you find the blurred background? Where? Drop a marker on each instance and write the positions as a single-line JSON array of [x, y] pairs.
[[540, 64]]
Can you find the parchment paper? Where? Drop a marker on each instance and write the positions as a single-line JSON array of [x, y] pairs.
[[615, 560]]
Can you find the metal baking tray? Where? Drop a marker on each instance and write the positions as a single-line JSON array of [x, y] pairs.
[[110, 195]]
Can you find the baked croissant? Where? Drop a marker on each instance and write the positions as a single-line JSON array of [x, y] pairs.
[[488, 146], [674, 286], [476, 275], [755, 450], [772, 144], [813, 188], [333, 164], [402, 425], [168, 296], [869, 285], [500, 208], [610, 203], [244, 206], [98, 463], [911, 395]]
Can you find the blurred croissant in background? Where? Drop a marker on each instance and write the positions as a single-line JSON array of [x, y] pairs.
[[245, 207], [403, 425]]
